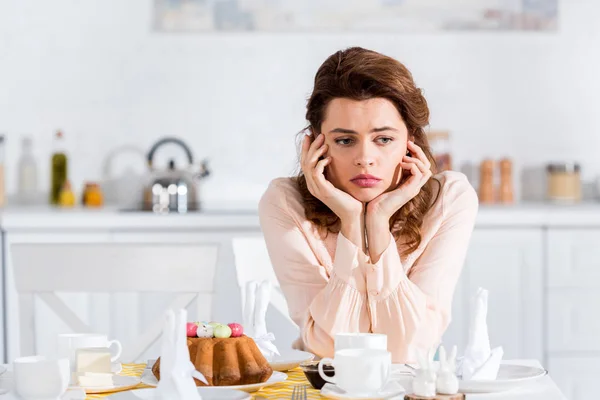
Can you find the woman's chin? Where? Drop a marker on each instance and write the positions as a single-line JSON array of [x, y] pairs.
[[365, 195]]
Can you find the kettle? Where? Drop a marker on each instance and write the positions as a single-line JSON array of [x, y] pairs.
[[173, 189]]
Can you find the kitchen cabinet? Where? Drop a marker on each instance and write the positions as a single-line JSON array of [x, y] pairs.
[[577, 377], [509, 264], [573, 301], [573, 258]]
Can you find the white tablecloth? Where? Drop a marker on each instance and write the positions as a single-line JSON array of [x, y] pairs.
[[542, 389]]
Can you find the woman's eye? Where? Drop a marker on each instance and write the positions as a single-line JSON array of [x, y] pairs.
[[343, 141], [387, 140]]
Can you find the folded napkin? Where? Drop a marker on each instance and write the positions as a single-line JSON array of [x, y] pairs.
[[248, 309], [480, 362], [176, 369], [256, 302]]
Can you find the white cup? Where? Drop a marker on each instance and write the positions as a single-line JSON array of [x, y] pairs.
[[377, 341], [39, 378], [359, 371], [68, 343]]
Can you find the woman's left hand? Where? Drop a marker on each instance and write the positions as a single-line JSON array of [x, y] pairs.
[[386, 204]]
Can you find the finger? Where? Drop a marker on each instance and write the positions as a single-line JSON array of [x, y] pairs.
[[418, 179], [318, 177], [416, 174], [316, 150], [305, 147], [414, 170], [416, 150], [318, 142], [309, 147], [418, 163], [320, 168], [313, 158]]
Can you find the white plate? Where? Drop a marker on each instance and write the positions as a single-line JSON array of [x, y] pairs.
[[149, 379], [510, 376], [392, 390], [290, 359], [119, 383], [206, 392]]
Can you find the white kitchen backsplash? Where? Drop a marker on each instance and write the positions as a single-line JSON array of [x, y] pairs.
[[95, 70]]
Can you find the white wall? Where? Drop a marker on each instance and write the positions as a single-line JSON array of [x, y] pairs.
[[94, 69]]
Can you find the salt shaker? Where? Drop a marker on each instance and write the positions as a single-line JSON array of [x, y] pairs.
[[506, 185], [425, 379], [447, 382], [486, 182]]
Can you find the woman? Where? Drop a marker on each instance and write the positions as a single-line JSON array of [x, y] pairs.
[[366, 239]]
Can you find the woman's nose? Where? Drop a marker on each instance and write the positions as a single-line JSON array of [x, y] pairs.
[[364, 156], [363, 162]]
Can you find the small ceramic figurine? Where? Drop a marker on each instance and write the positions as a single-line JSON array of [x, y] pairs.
[[447, 382], [425, 378]]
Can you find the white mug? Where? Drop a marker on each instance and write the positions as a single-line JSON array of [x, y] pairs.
[[68, 343], [359, 371], [377, 341], [41, 378]]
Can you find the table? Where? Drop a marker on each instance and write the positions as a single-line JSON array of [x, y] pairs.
[[542, 389], [281, 390]]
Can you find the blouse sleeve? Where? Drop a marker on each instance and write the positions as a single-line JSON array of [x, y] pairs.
[[321, 303]]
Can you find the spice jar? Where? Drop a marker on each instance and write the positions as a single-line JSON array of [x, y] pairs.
[[564, 182], [66, 197], [92, 195], [439, 141]]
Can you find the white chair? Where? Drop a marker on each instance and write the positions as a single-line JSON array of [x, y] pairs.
[[252, 263], [43, 269]]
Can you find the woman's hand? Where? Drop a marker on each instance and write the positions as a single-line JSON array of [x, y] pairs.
[[346, 207], [386, 204]]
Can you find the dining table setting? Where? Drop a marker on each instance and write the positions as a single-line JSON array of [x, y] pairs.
[[210, 360]]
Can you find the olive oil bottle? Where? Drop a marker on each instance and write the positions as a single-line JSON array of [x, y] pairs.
[[58, 168]]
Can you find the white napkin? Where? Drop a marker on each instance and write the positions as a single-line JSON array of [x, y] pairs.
[[249, 302], [480, 362], [257, 299], [176, 369]]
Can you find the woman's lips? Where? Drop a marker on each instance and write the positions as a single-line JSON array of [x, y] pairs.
[[366, 182]]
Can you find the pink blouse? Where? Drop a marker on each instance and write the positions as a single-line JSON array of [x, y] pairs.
[[331, 286]]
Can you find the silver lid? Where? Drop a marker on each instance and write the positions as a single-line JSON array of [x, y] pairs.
[[565, 167]]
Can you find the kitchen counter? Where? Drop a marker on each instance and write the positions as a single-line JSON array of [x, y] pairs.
[[46, 218], [244, 216]]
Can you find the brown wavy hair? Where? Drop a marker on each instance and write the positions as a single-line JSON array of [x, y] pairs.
[[360, 74]]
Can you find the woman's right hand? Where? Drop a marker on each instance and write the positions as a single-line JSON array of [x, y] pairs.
[[345, 206]]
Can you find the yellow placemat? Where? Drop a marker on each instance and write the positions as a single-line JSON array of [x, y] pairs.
[[281, 390]]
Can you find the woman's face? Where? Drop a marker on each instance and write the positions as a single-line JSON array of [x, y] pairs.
[[364, 137]]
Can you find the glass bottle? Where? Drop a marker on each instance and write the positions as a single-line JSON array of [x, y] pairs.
[[27, 179], [439, 141], [58, 168]]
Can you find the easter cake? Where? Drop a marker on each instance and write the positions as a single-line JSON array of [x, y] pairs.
[[224, 355]]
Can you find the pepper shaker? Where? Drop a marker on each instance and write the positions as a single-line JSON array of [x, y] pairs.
[[506, 185], [486, 182]]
